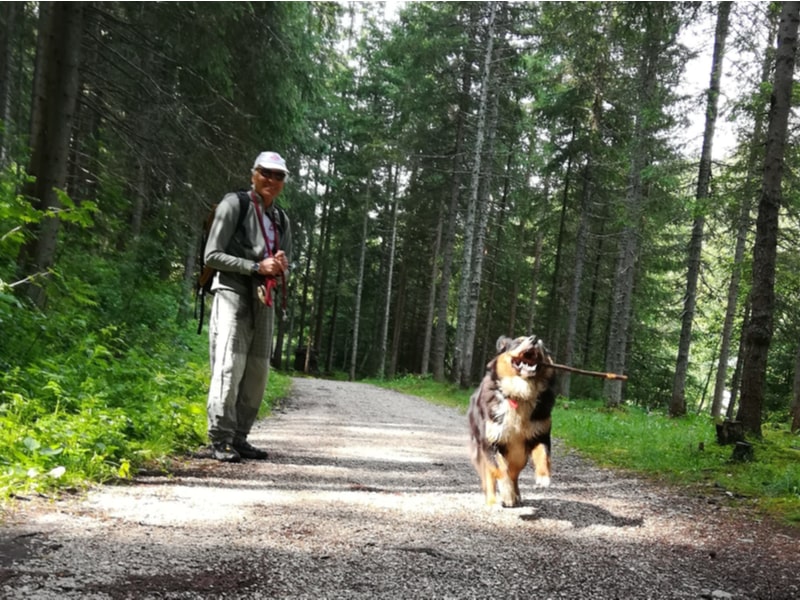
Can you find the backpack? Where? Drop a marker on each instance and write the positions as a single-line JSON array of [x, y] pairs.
[[205, 278]]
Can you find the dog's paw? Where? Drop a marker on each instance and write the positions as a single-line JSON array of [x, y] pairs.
[[543, 480], [512, 503]]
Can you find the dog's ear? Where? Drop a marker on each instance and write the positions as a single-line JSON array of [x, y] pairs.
[[503, 343]]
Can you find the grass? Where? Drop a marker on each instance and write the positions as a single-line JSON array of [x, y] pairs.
[[680, 452], [684, 451], [426, 387], [84, 420]]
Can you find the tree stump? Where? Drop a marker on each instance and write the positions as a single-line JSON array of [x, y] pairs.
[[300, 360], [743, 452], [730, 432]]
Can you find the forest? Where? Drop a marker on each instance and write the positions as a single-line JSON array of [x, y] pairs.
[[459, 171]]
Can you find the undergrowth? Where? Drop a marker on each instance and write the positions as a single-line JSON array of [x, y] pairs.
[[685, 451], [102, 411], [104, 383]]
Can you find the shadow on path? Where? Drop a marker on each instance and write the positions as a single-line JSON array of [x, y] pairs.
[[580, 514]]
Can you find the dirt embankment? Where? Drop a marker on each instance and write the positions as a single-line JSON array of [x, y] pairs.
[[370, 494]]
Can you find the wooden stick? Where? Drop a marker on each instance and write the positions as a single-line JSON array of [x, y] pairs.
[[591, 373]]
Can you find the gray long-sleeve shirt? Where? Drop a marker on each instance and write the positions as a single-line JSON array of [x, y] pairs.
[[232, 253]]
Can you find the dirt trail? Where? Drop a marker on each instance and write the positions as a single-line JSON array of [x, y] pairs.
[[369, 493]]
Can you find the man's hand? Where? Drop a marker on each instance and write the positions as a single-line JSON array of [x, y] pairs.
[[280, 256], [274, 266]]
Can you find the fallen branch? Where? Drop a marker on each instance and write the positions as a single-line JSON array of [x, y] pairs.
[[591, 373]]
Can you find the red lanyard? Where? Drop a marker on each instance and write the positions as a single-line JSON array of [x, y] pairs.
[[263, 230], [269, 281]]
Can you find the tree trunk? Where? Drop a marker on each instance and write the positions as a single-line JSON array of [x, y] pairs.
[[487, 343], [431, 310], [304, 301], [443, 293], [736, 379], [321, 276], [139, 202], [399, 311], [55, 98], [594, 292], [554, 301], [8, 23], [331, 349], [623, 291], [537, 267], [625, 274], [479, 250], [795, 411], [577, 277], [677, 406], [86, 147], [743, 228], [758, 336], [384, 341], [359, 287], [460, 350]]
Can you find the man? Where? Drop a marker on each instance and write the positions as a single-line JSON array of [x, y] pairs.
[[250, 262]]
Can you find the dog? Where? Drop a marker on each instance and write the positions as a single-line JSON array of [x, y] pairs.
[[510, 418]]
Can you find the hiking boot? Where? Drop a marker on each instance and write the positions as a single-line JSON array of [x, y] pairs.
[[247, 450], [224, 452]]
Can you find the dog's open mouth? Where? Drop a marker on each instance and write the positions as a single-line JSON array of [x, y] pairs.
[[527, 356], [525, 367]]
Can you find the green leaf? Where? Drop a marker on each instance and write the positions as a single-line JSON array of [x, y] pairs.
[[31, 444]]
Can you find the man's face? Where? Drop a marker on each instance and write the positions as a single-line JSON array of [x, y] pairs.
[[268, 183]]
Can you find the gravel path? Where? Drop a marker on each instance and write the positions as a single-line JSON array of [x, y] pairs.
[[369, 493]]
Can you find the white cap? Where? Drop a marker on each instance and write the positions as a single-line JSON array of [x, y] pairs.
[[270, 160]]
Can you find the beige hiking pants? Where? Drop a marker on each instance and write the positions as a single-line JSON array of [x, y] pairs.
[[240, 345]]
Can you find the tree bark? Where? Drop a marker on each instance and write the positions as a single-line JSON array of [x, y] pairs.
[[399, 311], [468, 377], [460, 350], [554, 301], [359, 286], [488, 340], [577, 277], [736, 379], [677, 406], [743, 228], [758, 336], [625, 274], [304, 301], [55, 99], [795, 410], [331, 348], [535, 272], [8, 21], [431, 310], [443, 293], [384, 341], [321, 276]]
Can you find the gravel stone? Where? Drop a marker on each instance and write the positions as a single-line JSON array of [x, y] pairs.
[[369, 493]]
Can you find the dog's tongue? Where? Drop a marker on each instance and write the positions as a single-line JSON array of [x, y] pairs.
[[514, 404]]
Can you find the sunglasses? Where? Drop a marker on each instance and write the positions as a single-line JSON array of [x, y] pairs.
[[270, 174]]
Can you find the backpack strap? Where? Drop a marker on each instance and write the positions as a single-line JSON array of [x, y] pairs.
[[244, 201], [281, 224]]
